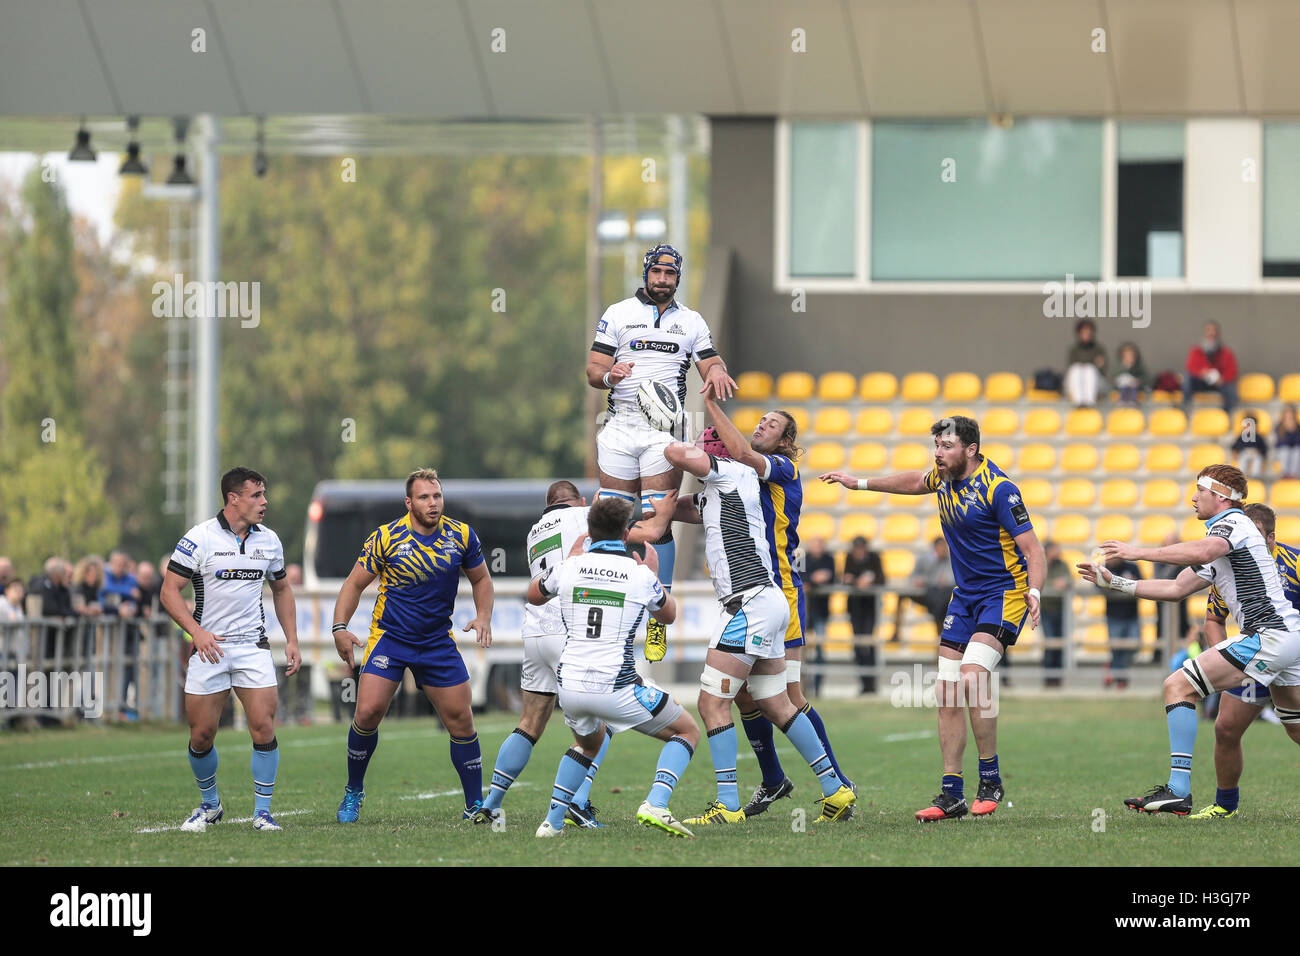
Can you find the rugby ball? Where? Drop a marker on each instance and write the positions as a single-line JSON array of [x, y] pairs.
[[659, 405]]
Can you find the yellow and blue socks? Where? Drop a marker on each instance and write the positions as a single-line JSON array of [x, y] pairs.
[[722, 748], [826, 741], [673, 759], [1182, 721], [361, 747], [204, 766], [953, 785], [583, 796], [511, 760], [1228, 799], [759, 731], [800, 732], [265, 765], [989, 769], [573, 769], [467, 758]]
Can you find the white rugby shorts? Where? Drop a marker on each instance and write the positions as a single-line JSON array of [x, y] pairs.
[[541, 658], [1271, 657], [753, 622], [642, 707], [244, 665], [628, 448]]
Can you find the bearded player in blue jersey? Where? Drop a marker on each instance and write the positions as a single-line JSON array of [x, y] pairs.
[[1239, 706], [999, 566]]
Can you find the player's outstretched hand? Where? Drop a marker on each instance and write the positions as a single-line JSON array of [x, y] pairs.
[[1035, 611], [721, 385], [839, 478], [1095, 574], [620, 371], [651, 559], [482, 631], [292, 659], [344, 641], [206, 646], [1118, 549]]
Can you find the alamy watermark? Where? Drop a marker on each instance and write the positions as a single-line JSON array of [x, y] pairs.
[[919, 688], [53, 690], [180, 299], [1098, 300]]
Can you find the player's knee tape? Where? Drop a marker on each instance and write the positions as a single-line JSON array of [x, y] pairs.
[[614, 493], [1287, 715], [715, 682], [792, 671], [949, 669], [981, 655], [763, 686], [1196, 677]]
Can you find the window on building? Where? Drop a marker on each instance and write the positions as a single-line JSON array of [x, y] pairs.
[[823, 200], [1149, 199], [1281, 199]]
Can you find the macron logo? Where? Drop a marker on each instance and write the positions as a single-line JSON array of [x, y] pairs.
[[76, 909]]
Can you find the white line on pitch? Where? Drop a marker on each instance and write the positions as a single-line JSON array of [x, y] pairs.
[[285, 813], [451, 793], [913, 735]]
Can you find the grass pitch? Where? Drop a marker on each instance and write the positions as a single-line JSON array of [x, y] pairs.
[[114, 796]]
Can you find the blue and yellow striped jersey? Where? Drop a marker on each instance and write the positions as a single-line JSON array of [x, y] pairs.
[[781, 495], [1286, 558], [981, 515], [418, 577]]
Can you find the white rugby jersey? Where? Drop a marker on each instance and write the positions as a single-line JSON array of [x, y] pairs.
[[603, 597], [1246, 577], [661, 346], [227, 576], [549, 543], [735, 534]]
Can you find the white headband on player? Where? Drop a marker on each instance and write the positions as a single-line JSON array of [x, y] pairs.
[[1218, 487]]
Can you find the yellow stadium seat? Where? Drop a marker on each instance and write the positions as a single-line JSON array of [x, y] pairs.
[[1209, 423], [1288, 529], [1039, 395], [1036, 458], [1255, 388], [819, 494], [901, 529], [1196, 605], [839, 604], [1119, 493], [1167, 423], [1083, 422], [878, 387], [746, 419], [815, 524], [1164, 458], [920, 387], [858, 525], [1121, 458], [1114, 528], [1161, 397], [825, 456], [1285, 494], [961, 387], [1154, 528], [913, 501], [754, 386], [897, 564], [998, 452], [1036, 492], [1202, 455], [952, 411], [1263, 421], [1191, 529], [1073, 556], [1080, 457], [800, 416], [1076, 493], [915, 421], [866, 458], [1288, 388], [932, 528], [1042, 422], [837, 387], [794, 386], [1125, 423], [1162, 493], [832, 421], [1003, 387], [1000, 421], [911, 457], [1096, 639], [875, 421], [1072, 529]]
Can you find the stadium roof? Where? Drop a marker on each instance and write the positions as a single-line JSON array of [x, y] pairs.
[[434, 58]]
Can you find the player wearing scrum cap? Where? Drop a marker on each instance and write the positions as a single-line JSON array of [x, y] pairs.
[[649, 337], [1234, 558]]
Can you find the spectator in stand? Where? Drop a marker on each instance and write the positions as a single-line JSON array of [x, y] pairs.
[[1056, 591], [1085, 366], [148, 587], [1211, 367], [117, 596], [818, 572], [1287, 439], [1250, 450], [933, 577], [87, 580], [6, 572], [11, 601], [49, 593], [1131, 377], [1122, 625], [862, 569]]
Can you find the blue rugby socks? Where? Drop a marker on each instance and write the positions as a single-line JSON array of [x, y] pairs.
[[204, 766], [265, 766], [953, 784], [1181, 718], [826, 741], [1228, 799], [989, 769], [467, 758], [759, 731], [583, 796], [803, 735], [673, 758], [511, 760], [722, 748], [573, 768], [361, 747]]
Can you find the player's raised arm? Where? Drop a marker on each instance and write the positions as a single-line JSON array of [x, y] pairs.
[[1187, 553], [901, 483], [1186, 584], [344, 607], [688, 458], [737, 445], [717, 383]]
